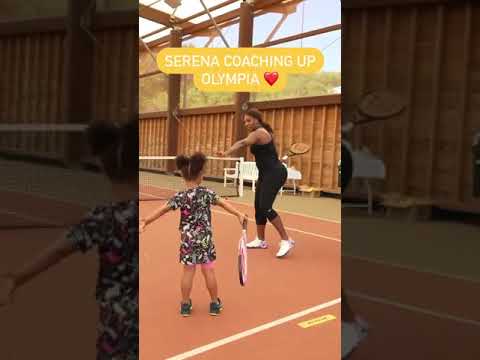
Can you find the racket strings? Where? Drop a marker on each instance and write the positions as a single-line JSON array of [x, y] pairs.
[[380, 104], [299, 148]]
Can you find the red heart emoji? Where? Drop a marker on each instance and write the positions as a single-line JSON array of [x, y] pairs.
[[271, 77]]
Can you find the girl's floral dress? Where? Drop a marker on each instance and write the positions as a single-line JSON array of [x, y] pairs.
[[113, 230], [197, 245]]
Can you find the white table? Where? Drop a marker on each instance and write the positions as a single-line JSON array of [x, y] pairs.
[[367, 167], [293, 175]]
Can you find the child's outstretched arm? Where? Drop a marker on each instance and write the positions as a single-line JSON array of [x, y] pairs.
[[241, 217], [156, 214], [52, 255]]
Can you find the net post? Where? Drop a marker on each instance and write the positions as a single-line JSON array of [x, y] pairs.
[[240, 177]]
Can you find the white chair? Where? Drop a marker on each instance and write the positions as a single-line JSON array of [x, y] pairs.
[[249, 172], [231, 173]]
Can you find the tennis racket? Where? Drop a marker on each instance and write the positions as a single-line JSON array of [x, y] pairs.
[[378, 105], [297, 149], [242, 254]]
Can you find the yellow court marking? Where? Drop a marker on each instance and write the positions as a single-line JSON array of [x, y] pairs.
[[316, 321]]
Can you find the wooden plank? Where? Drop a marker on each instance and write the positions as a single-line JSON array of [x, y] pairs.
[[154, 15], [261, 105], [153, 115], [304, 35], [322, 146], [45, 75], [410, 93], [357, 134], [301, 127], [386, 67], [208, 110], [211, 9], [48, 138], [3, 86], [245, 39], [116, 43], [216, 137], [129, 100], [35, 86], [55, 81], [104, 79], [463, 104], [32, 26], [78, 77], [17, 66], [223, 129], [59, 39], [310, 155], [299, 102], [182, 22], [108, 20], [26, 97], [102, 21], [174, 81], [234, 14], [437, 65]]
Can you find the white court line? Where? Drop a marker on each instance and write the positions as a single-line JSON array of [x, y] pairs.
[[286, 227], [253, 331], [298, 214], [412, 308], [45, 197], [282, 211], [412, 268], [27, 217]]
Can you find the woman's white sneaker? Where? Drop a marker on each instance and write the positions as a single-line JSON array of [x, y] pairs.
[[257, 244], [285, 247]]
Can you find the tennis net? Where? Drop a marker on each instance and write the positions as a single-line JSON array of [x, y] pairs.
[[159, 179]]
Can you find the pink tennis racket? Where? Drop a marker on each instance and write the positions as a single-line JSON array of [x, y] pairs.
[[242, 255]]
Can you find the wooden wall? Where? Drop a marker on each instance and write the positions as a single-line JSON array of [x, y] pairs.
[[428, 52], [31, 90], [313, 120], [32, 78]]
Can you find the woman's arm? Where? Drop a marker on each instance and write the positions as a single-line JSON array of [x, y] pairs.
[[251, 139], [50, 256], [222, 203]]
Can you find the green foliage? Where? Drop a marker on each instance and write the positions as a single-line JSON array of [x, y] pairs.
[[304, 85], [153, 91]]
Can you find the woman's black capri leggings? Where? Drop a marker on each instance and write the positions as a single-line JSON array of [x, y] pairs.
[[269, 184], [346, 168]]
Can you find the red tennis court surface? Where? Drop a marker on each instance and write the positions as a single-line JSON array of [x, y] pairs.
[[413, 314], [260, 320]]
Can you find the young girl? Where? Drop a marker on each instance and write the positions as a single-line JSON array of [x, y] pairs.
[[197, 246], [113, 229]]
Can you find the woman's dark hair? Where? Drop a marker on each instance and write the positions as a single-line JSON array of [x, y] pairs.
[[192, 166], [117, 148], [257, 114]]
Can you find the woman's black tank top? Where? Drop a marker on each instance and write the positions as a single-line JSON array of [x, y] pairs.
[[266, 156]]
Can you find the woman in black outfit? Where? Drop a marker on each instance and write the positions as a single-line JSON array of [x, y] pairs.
[[272, 175]]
